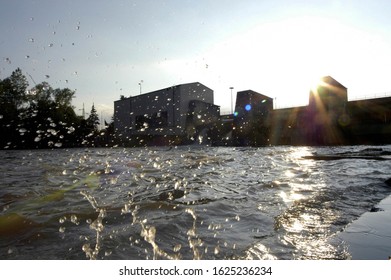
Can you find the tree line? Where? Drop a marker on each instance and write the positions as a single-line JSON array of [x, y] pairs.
[[43, 117]]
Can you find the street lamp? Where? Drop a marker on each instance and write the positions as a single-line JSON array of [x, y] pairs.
[[140, 85], [232, 106], [83, 112]]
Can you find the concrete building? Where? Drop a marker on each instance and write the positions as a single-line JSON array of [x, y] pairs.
[[251, 122], [329, 119], [327, 106], [173, 115], [368, 121], [319, 123], [186, 114]]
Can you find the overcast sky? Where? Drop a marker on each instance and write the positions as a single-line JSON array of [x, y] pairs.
[[104, 49]]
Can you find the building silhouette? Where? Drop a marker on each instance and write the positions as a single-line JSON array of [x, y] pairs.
[[328, 119], [251, 119], [319, 123], [175, 115], [185, 114]]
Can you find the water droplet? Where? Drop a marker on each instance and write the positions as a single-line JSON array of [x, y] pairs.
[[71, 129], [62, 220], [52, 131], [27, 56], [74, 219], [50, 45], [86, 248], [7, 60], [37, 139], [31, 40], [58, 145], [177, 248], [47, 76], [22, 130]]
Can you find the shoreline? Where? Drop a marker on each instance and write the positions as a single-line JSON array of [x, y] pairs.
[[369, 237]]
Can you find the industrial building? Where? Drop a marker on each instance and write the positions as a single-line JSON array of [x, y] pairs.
[[175, 115], [251, 119], [319, 123], [185, 114], [329, 119]]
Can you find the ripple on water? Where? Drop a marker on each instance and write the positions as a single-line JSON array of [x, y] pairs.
[[184, 202]]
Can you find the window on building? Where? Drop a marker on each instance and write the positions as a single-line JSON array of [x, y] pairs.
[[157, 120]]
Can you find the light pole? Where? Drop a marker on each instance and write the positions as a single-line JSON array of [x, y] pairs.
[[140, 85], [83, 112], [232, 106]]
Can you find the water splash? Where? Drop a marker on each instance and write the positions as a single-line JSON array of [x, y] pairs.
[[97, 225], [148, 232], [194, 240]]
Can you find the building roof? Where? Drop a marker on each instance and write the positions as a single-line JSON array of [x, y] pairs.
[[331, 81], [167, 88], [254, 93]]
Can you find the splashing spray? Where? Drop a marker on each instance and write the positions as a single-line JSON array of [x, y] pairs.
[[96, 225]]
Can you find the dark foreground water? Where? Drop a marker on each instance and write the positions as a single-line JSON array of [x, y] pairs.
[[183, 203]]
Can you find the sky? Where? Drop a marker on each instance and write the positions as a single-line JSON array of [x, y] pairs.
[[280, 48]]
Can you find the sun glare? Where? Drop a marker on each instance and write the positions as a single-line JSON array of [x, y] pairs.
[[283, 59], [315, 84]]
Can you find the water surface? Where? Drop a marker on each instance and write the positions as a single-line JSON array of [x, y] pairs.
[[183, 202]]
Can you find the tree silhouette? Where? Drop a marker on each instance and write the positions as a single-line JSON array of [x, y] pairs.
[[12, 97], [42, 117], [93, 120]]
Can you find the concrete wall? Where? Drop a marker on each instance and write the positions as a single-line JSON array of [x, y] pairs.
[[122, 118], [159, 113], [187, 110], [188, 93], [252, 119]]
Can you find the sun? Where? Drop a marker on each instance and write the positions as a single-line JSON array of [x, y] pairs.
[[284, 60], [315, 84]]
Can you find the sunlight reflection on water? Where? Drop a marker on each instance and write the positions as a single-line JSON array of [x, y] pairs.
[[182, 203]]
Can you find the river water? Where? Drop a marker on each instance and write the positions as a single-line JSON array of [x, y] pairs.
[[187, 202]]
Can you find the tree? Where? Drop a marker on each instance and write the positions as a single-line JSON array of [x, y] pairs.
[[41, 117], [93, 120], [13, 92], [12, 99], [18, 88], [38, 118], [63, 97]]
